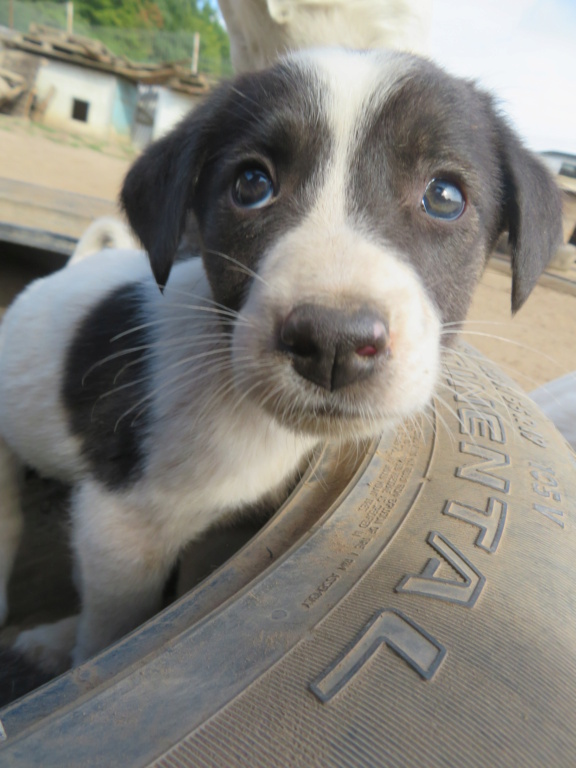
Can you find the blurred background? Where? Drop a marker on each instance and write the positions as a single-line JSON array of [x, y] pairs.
[[86, 85]]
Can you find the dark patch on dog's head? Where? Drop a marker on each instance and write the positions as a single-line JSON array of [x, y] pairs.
[[429, 126], [434, 126], [269, 121], [532, 214], [104, 387]]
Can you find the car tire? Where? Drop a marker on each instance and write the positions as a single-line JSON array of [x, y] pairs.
[[413, 603]]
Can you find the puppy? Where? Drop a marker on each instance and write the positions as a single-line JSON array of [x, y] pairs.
[[261, 30], [345, 204]]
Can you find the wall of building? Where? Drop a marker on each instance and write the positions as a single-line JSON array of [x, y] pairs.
[[84, 100], [124, 108], [170, 109]]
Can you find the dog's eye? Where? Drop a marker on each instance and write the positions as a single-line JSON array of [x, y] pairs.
[[443, 200], [252, 188]]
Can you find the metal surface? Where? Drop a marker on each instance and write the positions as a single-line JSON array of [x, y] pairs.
[[38, 239]]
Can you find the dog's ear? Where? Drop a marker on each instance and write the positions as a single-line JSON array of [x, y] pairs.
[[158, 190], [532, 214]]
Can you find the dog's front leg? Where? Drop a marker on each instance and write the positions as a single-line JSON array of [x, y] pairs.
[[122, 563]]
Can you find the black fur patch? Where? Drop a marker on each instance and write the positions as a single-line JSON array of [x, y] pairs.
[[18, 676], [275, 120], [105, 381], [437, 126], [271, 120], [431, 126]]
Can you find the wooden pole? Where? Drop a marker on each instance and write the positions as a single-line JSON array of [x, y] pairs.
[[11, 14], [70, 17], [196, 53]]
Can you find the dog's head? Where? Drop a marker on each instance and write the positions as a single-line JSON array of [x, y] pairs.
[[346, 204]]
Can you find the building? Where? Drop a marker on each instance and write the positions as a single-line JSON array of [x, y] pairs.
[[101, 104], [564, 166], [77, 84], [175, 99]]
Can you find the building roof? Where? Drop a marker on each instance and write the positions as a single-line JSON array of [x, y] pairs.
[[559, 155], [92, 54]]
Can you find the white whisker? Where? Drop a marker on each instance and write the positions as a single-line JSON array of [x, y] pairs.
[[239, 264]]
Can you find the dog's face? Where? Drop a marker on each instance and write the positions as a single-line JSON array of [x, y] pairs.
[[346, 204]]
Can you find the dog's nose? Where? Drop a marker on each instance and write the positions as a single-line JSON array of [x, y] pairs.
[[331, 347]]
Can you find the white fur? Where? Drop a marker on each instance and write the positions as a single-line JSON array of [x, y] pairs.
[[48, 645], [262, 30], [105, 232]]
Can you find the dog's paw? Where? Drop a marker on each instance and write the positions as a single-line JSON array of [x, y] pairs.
[[49, 646], [17, 676]]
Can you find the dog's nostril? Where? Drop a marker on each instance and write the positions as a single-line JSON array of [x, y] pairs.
[[297, 334], [333, 348], [369, 350], [376, 343]]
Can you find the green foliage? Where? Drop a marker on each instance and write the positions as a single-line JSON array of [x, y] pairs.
[[180, 17], [127, 14], [26, 13], [141, 30]]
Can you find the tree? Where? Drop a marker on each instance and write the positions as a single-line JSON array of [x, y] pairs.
[[127, 14], [151, 30]]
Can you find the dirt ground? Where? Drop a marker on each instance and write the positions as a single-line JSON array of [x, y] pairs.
[[534, 347], [39, 155]]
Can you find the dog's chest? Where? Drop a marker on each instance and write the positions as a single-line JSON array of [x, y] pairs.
[[225, 462]]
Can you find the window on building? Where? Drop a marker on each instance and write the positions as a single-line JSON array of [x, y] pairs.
[[80, 110]]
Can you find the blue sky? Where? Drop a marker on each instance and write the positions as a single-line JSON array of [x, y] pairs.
[[524, 51]]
